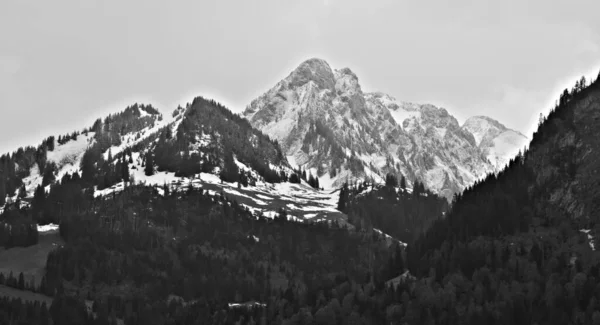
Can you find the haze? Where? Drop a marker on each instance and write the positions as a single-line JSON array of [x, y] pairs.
[[65, 63]]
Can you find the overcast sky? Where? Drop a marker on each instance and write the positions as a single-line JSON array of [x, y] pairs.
[[65, 63]]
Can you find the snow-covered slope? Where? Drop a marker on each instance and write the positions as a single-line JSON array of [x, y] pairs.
[[67, 156], [495, 140], [301, 202], [326, 123], [202, 131]]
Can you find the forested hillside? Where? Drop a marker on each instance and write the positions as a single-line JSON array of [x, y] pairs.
[[209, 136], [519, 246], [393, 208], [187, 256]]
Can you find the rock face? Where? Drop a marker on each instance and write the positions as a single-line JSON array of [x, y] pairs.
[[496, 141], [325, 123]]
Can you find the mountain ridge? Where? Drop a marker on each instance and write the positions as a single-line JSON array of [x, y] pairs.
[[325, 122], [201, 145]]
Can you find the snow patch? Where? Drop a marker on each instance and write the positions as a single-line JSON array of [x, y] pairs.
[[590, 238], [246, 305], [237, 193], [47, 228], [292, 161], [67, 157], [32, 181], [386, 236], [400, 115]]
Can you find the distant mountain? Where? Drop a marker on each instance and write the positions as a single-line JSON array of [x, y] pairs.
[[499, 143], [326, 123]]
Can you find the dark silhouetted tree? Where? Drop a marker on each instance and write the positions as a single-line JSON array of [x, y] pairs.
[[149, 164], [391, 180]]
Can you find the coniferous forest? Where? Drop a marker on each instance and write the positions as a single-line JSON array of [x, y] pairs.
[[403, 214]]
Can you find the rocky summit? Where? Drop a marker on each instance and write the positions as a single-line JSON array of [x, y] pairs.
[[327, 124]]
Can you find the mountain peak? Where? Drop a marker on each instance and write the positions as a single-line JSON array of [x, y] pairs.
[[346, 82], [483, 119], [325, 123], [347, 72], [379, 94], [315, 62], [315, 70], [478, 125], [495, 140]]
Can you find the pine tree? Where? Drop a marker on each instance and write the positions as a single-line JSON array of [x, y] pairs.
[[343, 200], [391, 180], [118, 170], [38, 198], [230, 171], [416, 188], [2, 191], [294, 178], [403, 182], [88, 164], [50, 143], [311, 180], [124, 169], [149, 164], [48, 177], [22, 192], [21, 283]]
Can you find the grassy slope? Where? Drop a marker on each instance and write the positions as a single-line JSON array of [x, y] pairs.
[[29, 260], [25, 295]]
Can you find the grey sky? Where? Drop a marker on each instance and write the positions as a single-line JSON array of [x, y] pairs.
[[65, 63]]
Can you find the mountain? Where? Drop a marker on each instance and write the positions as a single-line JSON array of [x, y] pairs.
[[198, 212], [327, 124], [189, 219], [203, 145], [200, 146], [496, 141]]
